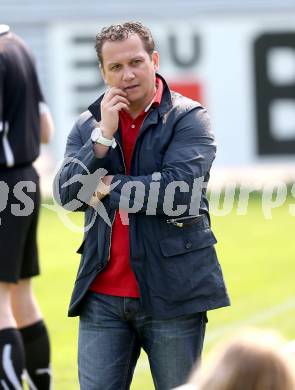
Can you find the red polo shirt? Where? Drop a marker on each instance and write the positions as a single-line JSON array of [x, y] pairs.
[[118, 278]]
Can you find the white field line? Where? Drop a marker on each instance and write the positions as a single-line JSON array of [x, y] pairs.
[[256, 319]]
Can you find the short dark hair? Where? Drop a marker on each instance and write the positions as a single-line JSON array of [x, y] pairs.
[[120, 32]]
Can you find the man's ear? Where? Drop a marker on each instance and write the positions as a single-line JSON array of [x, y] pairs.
[[155, 60]]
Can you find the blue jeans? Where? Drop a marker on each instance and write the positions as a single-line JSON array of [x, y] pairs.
[[112, 331]]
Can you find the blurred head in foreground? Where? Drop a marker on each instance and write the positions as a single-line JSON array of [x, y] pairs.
[[253, 360]]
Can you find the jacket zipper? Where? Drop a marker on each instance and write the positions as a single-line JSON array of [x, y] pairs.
[[122, 154], [184, 221], [125, 170], [140, 292], [110, 241]]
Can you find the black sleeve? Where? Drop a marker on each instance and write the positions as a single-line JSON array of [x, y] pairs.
[[38, 90]]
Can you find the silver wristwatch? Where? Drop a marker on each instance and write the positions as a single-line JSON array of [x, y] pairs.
[[98, 138]]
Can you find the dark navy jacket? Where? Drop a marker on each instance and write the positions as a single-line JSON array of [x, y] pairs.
[[174, 262]]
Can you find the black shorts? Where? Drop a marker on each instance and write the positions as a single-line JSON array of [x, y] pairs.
[[19, 210]]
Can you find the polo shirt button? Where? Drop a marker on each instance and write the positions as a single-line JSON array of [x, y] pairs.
[[132, 126], [188, 244]]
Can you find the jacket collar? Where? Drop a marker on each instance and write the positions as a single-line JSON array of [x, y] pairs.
[[166, 102]]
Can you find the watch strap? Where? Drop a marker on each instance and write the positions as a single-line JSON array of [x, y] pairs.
[[98, 138]]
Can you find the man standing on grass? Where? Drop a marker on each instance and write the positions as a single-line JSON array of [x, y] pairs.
[[149, 271], [25, 121]]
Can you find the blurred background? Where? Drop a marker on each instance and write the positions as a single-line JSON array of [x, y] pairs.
[[238, 59]]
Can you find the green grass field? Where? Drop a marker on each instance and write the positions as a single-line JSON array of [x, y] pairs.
[[257, 257]]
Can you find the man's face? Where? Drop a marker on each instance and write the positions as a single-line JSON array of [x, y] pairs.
[[126, 65]]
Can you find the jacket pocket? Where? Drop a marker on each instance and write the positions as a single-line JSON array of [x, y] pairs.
[[188, 242]]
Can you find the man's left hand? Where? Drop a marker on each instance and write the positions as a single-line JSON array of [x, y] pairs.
[[103, 187]]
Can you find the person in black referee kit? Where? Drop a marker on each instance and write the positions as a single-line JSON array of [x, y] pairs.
[[25, 121]]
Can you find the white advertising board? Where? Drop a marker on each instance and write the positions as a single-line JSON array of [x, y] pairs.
[[241, 68]]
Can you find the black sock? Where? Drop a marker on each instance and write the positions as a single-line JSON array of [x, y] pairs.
[[37, 353], [12, 359]]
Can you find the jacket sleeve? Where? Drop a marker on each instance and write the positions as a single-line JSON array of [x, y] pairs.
[[186, 162], [78, 177]]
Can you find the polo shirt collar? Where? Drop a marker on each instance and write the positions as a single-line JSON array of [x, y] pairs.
[[158, 95]]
